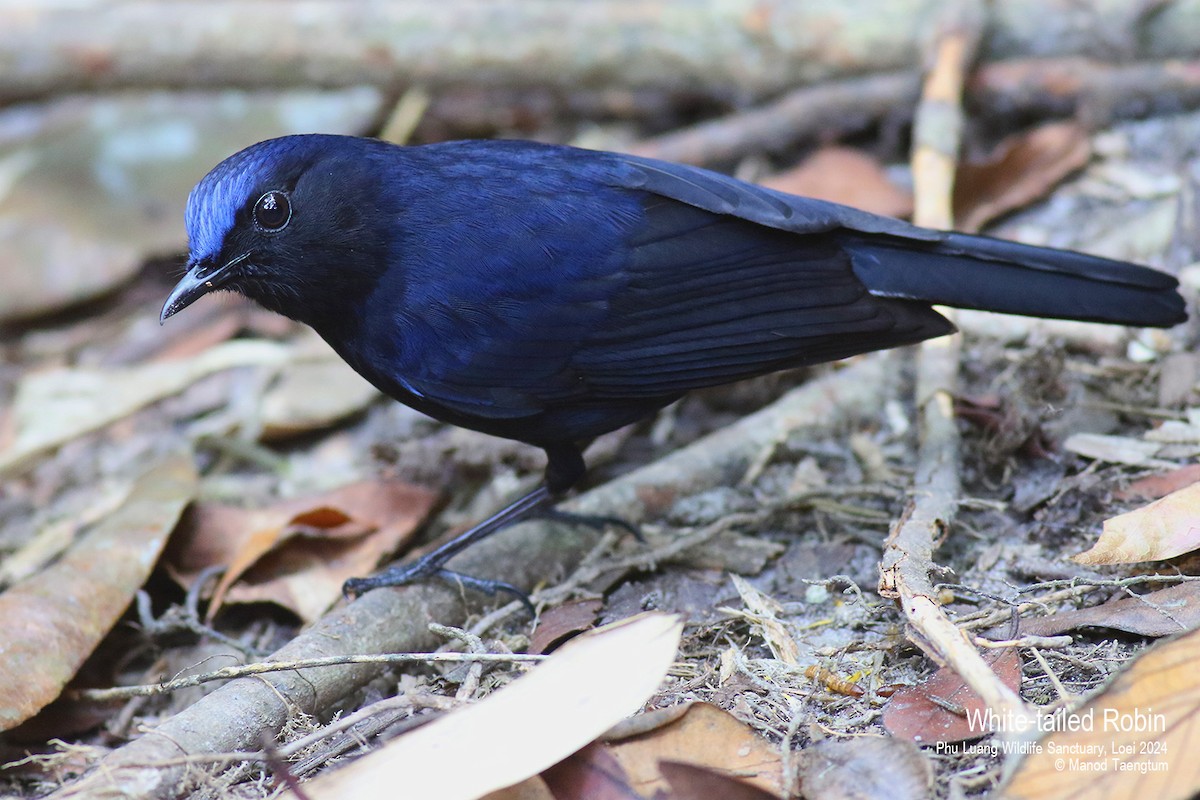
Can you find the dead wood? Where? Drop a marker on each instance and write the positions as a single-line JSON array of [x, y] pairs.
[[748, 48], [235, 716]]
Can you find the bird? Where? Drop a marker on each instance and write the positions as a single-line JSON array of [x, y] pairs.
[[549, 294]]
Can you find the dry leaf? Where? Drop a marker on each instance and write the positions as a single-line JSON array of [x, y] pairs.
[[1020, 170], [865, 767], [298, 553], [1114, 449], [1155, 486], [848, 176], [1162, 613], [590, 774], [558, 623], [51, 622], [704, 736], [532, 789], [591, 683], [56, 406], [762, 612], [1168, 527], [920, 713], [690, 782], [1137, 738], [318, 389]]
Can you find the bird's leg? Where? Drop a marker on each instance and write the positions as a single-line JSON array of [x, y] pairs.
[[564, 469], [431, 564]]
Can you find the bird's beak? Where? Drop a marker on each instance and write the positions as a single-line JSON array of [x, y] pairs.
[[201, 278]]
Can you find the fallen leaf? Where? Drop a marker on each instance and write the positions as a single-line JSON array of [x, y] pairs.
[[762, 613], [865, 767], [318, 389], [848, 176], [1168, 611], [299, 552], [55, 406], [1114, 449], [704, 736], [1153, 487], [532, 789], [51, 622], [1021, 169], [588, 685], [590, 774], [558, 623], [1136, 738], [920, 714], [690, 782], [1168, 527]]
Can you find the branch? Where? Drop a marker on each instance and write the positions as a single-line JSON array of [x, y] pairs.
[[235, 716], [908, 554], [744, 48]]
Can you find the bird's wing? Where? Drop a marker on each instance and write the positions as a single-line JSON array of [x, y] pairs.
[[709, 298], [637, 280], [728, 196]]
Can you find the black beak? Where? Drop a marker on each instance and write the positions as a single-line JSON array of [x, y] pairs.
[[200, 279]]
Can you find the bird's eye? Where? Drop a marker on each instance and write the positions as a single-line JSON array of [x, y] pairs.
[[272, 211]]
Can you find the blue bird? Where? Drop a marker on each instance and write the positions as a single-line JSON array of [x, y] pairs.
[[550, 294]]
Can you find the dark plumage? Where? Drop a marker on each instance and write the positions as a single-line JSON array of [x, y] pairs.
[[550, 294]]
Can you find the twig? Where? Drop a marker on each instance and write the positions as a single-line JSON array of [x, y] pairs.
[[839, 107], [244, 670], [232, 717], [908, 555]]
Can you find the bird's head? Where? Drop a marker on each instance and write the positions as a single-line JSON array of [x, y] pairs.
[[292, 223]]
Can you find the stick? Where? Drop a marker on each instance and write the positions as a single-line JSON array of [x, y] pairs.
[[234, 716]]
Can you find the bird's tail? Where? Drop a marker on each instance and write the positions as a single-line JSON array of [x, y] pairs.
[[996, 275]]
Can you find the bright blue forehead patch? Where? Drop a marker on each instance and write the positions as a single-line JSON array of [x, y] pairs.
[[214, 202]]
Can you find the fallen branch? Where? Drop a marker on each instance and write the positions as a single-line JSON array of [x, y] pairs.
[[234, 717], [834, 109], [908, 554], [749, 48]]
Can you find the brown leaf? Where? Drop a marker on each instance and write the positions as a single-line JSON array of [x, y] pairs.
[[297, 553], [557, 624], [865, 767], [1020, 170], [51, 622], [590, 774], [704, 736], [848, 176], [1162, 613], [532, 789], [1155, 486], [690, 782], [1137, 738], [922, 713], [1168, 527]]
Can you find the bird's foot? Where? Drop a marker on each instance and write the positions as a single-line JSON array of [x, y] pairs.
[[596, 521], [423, 568]]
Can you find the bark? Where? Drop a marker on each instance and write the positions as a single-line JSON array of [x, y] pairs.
[[748, 48]]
